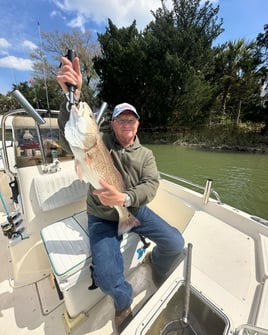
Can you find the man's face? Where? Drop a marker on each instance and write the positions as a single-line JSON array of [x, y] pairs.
[[125, 127]]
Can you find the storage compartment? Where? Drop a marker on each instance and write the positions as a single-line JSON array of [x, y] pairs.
[[204, 318], [77, 297]]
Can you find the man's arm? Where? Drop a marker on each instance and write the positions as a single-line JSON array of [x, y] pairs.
[[144, 192]]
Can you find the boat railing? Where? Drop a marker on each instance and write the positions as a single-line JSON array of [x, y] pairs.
[[4, 148], [207, 189]]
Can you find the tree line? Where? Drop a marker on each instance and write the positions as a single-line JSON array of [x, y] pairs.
[[171, 70]]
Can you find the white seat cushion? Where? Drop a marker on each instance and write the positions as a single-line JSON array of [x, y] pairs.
[[67, 246]]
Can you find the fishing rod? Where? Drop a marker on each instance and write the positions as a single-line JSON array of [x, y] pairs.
[[53, 167]]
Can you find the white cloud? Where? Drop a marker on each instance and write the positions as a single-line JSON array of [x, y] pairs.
[[78, 22], [17, 63], [57, 13], [4, 43], [29, 45], [121, 12]]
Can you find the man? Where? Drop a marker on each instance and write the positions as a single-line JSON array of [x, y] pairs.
[[139, 171]]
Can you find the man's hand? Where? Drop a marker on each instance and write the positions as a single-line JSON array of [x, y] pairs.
[[109, 195], [70, 73]]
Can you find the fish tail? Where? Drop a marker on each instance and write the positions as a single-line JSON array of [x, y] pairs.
[[127, 223]]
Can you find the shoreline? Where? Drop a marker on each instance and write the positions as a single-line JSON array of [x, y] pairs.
[[261, 148], [213, 147], [225, 147]]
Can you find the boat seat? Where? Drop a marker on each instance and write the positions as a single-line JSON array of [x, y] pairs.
[[262, 320], [67, 246], [264, 254], [59, 189]]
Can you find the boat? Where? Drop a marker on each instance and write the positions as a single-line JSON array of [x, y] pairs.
[[46, 284]]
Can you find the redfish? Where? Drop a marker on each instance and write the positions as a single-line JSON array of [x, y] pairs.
[[93, 161]]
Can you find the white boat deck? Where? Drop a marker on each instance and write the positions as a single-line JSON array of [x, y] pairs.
[[220, 254], [229, 269]]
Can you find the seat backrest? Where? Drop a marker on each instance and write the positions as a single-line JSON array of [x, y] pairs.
[[57, 190], [46, 198]]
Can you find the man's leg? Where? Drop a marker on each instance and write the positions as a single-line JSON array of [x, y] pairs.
[[108, 265], [169, 241]]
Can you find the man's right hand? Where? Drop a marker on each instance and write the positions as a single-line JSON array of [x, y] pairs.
[[70, 73]]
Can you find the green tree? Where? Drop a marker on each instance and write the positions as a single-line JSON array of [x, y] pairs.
[[239, 82], [7, 103], [262, 43], [120, 64], [164, 69], [180, 57]]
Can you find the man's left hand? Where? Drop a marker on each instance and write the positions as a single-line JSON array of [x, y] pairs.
[[109, 195]]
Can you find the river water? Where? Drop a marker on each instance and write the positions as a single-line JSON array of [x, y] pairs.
[[241, 179]]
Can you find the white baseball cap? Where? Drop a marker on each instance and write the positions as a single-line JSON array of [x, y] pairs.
[[118, 109]]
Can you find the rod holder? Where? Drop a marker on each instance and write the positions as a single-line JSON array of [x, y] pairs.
[[101, 112], [207, 191], [27, 106]]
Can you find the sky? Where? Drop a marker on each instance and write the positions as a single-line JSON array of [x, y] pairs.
[[22, 22]]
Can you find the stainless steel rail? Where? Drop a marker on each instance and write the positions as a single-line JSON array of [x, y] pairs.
[[4, 148], [207, 190], [101, 112], [27, 106]]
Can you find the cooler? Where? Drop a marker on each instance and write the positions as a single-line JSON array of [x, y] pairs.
[[67, 245]]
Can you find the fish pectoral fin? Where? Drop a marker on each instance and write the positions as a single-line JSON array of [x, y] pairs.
[[88, 158], [78, 169]]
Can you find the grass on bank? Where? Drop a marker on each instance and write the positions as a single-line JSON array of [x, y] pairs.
[[220, 137]]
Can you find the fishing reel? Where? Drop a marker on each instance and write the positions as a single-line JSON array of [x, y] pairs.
[[9, 229]]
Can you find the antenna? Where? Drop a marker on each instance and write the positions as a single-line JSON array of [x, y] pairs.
[[44, 71], [30, 79], [12, 69]]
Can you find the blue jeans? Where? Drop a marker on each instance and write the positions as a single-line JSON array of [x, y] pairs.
[[108, 265]]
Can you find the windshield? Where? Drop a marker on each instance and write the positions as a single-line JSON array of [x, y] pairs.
[[27, 148]]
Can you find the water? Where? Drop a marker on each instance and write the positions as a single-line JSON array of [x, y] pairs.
[[241, 179]]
